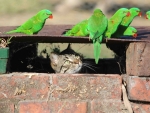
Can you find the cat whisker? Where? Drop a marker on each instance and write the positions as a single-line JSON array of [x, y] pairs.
[[81, 47], [89, 62], [88, 66]]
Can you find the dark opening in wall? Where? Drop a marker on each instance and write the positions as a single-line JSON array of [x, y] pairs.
[[23, 58]]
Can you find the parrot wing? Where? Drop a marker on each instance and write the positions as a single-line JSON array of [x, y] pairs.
[[115, 21], [79, 29], [97, 25]]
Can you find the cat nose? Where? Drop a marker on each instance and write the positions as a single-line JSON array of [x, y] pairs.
[[76, 61]]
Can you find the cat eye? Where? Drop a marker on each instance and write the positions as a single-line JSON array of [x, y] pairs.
[[68, 62]]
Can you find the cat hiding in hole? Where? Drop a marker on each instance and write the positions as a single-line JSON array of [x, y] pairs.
[[68, 61]]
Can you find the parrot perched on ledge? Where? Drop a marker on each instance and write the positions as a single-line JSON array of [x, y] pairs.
[[133, 13], [115, 21], [97, 25], [34, 24], [130, 31], [127, 21], [147, 16], [80, 29]]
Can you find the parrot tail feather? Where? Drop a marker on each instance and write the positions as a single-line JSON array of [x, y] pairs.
[[13, 31], [97, 48]]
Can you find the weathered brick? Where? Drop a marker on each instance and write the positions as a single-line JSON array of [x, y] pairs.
[[6, 107], [138, 59], [141, 108], [52, 107], [106, 106], [139, 88], [24, 86], [80, 86]]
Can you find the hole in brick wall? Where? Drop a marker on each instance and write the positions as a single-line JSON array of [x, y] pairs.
[[24, 58]]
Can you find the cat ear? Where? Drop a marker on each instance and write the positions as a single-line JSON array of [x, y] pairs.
[[54, 58], [69, 46]]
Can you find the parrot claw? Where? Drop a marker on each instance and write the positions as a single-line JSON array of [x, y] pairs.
[[89, 38], [106, 40]]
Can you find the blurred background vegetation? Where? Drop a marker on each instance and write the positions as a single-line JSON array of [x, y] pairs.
[[15, 12]]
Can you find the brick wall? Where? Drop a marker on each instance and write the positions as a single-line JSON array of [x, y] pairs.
[[80, 93], [138, 76], [53, 93]]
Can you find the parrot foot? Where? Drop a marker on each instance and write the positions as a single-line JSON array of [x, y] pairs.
[[106, 40]]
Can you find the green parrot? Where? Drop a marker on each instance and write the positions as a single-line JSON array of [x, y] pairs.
[[147, 16], [97, 25], [115, 21], [34, 24], [130, 31], [126, 21], [80, 29]]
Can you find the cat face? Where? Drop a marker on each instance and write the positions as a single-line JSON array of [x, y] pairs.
[[67, 63]]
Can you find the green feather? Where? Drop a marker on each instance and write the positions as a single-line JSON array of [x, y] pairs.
[[34, 24], [122, 28], [130, 31], [97, 25], [128, 19], [97, 50], [147, 16], [80, 29], [115, 21]]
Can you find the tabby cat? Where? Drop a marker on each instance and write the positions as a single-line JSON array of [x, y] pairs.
[[68, 61]]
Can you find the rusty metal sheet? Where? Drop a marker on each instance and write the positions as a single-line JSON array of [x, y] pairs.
[[53, 34]]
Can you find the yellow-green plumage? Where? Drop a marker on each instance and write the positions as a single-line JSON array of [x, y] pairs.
[[126, 21], [97, 25], [79, 29], [115, 21], [34, 24], [130, 31], [147, 16]]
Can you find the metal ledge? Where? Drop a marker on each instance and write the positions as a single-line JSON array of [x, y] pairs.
[[53, 34]]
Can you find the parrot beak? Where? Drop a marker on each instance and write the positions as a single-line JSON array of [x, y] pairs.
[[135, 35], [128, 14], [140, 14], [146, 17], [51, 16]]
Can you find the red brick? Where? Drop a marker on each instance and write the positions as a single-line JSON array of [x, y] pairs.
[[35, 87], [87, 86], [139, 88], [138, 59], [53, 107], [6, 107], [106, 106], [141, 108]]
